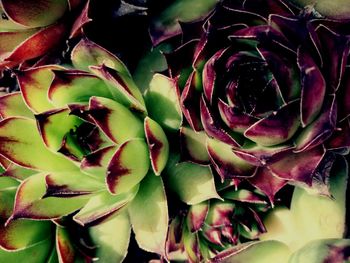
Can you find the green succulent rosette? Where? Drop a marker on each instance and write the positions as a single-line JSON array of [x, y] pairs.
[[78, 150], [31, 29]]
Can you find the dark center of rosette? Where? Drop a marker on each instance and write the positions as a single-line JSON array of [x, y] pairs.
[[250, 86]]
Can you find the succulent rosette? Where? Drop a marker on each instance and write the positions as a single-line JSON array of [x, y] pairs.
[[264, 92], [80, 154], [205, 229], [310, 229], [30, 29]]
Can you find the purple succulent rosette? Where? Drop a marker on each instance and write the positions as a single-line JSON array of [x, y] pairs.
[[263, 89], [266, 91]]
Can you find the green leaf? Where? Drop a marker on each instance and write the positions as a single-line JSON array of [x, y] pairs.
[[158, 145], [226, 163], [21, 143], [30, 204], [103, 205], [66, 250], [33, 254], [71, 86], [149, 215], [71, 184], [128, 166], [323, 250], [122, 87], [112, 248], [54, 125], [194, 145], [8, 188], [338, 9], [23, 233], [115, 120], [13, 105], [255, 252], [17, 172], [163, 102], [34, 84], [96, 163], [166, 24], [192, 183], [87, 53], [153, 61]]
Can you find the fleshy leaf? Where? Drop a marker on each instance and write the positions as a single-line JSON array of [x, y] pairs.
[[166, 24], [122, 87], [298, 167], [193, 146], [111, 247], [66, 250], [87, 53], [212, 127], [102, 206], [116, 121], [13, 105], [21, 143], [8, 187], [225, 161], [54, 125], [34, 254], [266, 182], [324, 250], [244, 196], [196, 216], [35, 13], [276, 128], [71, 184], [158, 145], [330, 213], [209, 76], [255, 252], [234, 119], [123, 172], [163, 103], [30, 204], [220, 213], [34, 84], [149, 215], [38, 44], [320, 129], [313, 88], [191, 245], [192, 183], [259, 155], [82, 20], [23, 233], [96, 163], [76, 87]]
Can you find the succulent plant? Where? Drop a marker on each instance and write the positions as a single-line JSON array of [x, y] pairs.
[[264, 92], [77, 147], [264, 96], [310, 230], [31, 29], [212, 226]]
